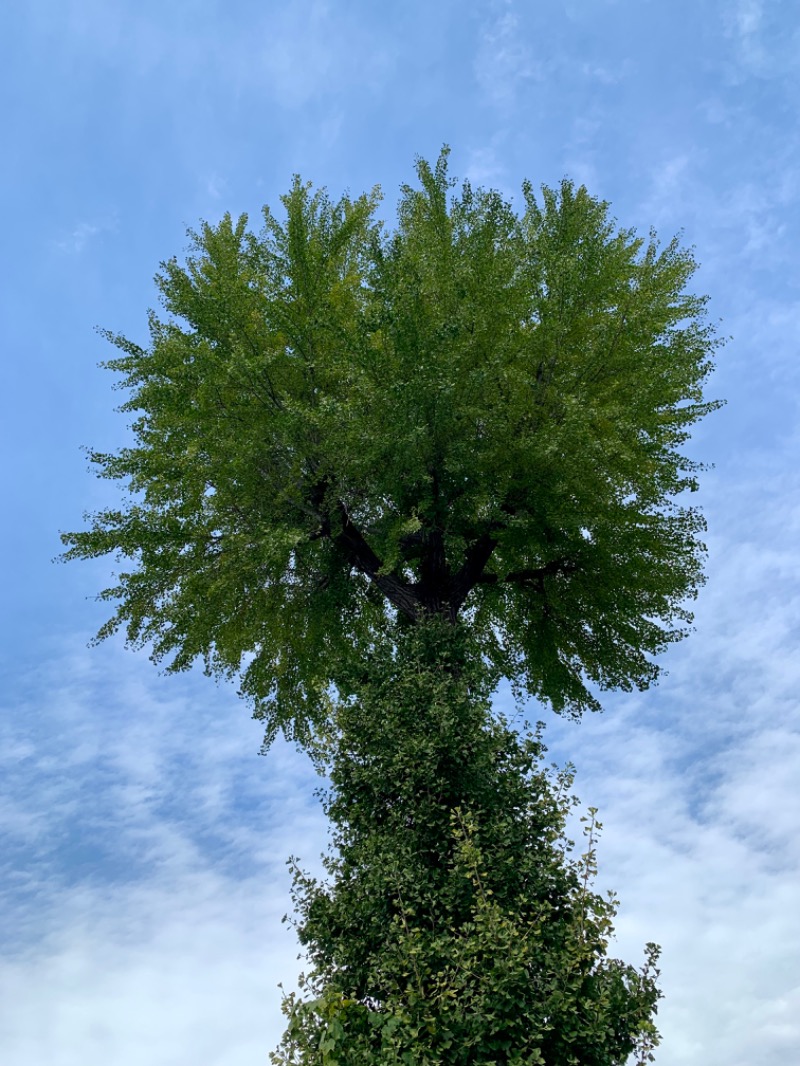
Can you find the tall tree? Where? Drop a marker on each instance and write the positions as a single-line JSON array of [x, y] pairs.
[[476, 415], [394, 466]]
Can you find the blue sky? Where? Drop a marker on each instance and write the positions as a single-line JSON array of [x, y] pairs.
[[142, 840]]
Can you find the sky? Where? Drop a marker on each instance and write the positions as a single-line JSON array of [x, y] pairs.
[[143, 840]]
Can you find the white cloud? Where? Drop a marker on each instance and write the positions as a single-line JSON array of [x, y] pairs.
[[75, 241], [504, 60], [485, 167], [148, 844], [179, 971], [605, 75], [744, 22], [763, 38], [667, 188], [696, 782], [215, 186], [747, 15], [294, 52]]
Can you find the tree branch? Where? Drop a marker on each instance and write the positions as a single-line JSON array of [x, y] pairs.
[[532, 576], [471, 572], [358, 552], [398, 592]]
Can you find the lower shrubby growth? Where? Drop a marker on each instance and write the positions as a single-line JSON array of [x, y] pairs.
[[456, 929]]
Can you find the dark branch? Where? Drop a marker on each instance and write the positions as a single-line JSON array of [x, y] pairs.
[[358, 552], [398, 592], [533, 576], [478, 555]]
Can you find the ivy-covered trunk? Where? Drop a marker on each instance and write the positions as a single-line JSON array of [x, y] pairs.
[[454, 928]]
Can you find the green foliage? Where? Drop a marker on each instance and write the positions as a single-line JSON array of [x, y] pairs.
[[372, 472], [477, 415], [455, 929]]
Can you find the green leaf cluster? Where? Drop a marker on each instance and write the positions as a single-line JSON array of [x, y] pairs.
[[478, 414], [455, 928]]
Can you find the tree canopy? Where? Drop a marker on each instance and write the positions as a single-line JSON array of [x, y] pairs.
[[477, 414]]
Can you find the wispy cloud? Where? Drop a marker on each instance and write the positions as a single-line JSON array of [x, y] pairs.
[[504, 58], [486, 167], [174, 972], [74, 242], [697, 786], [744, 20], [144, 877], [294, 52]]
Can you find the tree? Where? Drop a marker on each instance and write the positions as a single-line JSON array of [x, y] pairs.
[[477, 416], [454, 930], [373, 472]]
